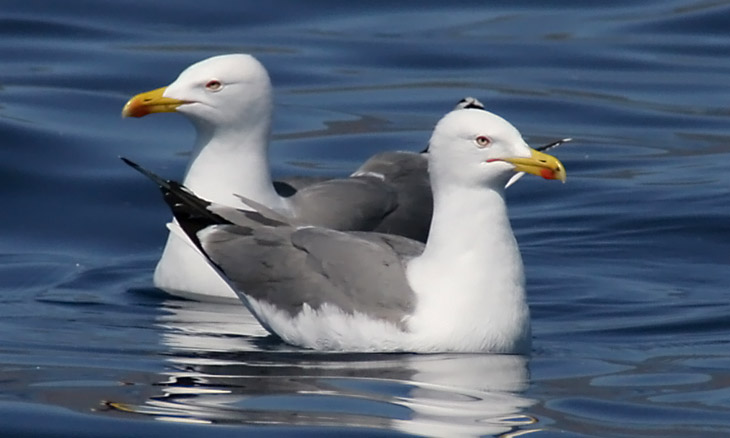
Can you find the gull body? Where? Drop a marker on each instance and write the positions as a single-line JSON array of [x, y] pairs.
[[463, 291]]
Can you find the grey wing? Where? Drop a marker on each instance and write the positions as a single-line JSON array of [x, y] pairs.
[[367, 268], [407, 174], [289, 268], [344, 204], [287, 187], [390, 193]]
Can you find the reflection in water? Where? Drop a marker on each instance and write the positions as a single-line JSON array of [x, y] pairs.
[[221, 376], [190, 326], [466, 395]]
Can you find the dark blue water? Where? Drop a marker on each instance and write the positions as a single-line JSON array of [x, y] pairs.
[[628, 263]]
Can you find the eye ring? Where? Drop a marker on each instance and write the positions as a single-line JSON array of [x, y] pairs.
[[213, 85], [482, 141]]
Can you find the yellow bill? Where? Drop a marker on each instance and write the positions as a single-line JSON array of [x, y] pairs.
[[540, 164], [150, 102]]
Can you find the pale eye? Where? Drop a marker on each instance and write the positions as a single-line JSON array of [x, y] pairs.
[[214, 85], [482, 141]]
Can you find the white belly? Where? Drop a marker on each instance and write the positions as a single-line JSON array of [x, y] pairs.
[[183, 271]]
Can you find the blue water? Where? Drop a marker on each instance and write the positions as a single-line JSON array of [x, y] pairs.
[[627, 263]]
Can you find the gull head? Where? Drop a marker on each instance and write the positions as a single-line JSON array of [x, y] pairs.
[[473, 147], [218, 92]]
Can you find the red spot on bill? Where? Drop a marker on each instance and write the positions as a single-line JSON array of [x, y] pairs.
[[547, 173]]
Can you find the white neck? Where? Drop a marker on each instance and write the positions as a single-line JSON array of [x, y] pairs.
[[469, 280], [471, 219], [233, 161]]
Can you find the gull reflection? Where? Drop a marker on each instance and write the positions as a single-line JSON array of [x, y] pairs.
[[225, 369], [466, 395]]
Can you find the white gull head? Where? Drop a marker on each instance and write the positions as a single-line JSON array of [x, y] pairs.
[[224, 92], [468, 148]]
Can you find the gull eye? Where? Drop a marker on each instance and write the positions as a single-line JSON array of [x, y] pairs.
[[213, 85], [482, 141]]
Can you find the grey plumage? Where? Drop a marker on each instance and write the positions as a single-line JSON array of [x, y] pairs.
[[389, 193], [407, 174], [346, 204], [287, 267]]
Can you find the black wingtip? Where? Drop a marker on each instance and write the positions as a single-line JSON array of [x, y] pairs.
[[163, 183], [470, 103], [132, 164], [190, 211], [556, 143]]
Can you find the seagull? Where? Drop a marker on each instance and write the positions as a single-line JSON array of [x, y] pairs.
[[324, 289], [229, 100]]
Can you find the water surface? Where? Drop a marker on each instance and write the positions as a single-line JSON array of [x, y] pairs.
[[627, 262]]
